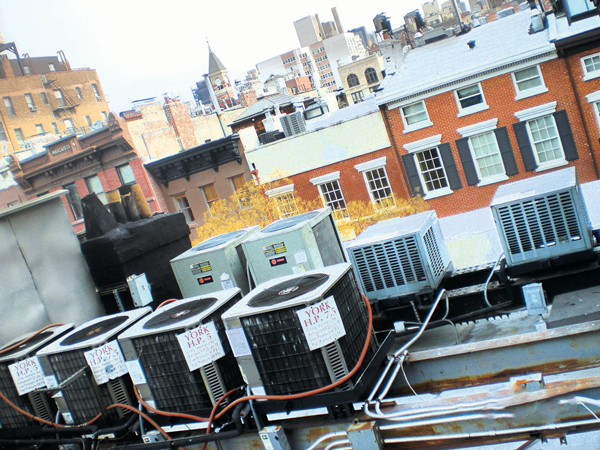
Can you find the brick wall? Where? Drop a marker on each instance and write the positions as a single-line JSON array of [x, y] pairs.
[[499, 94], [179, 118]]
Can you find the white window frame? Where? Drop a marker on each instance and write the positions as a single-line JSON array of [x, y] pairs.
[[329, 178], [491, 179], [470, 109], [594, 99], [417, 125], [360, 94], [439, 192], [526, 93], [370, 166], [589, 75], [277, 193], [186, 210]]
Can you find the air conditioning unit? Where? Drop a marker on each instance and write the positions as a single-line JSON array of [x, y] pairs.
[[168, 346], [33, 108], [400, 256], [300, 332], [294, 245], [215, 264], [84, 393], [293, 124], [19, 384], [541, 218]]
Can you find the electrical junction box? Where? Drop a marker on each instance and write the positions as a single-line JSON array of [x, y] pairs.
[[533, 294], [274, 438], [140, 290]]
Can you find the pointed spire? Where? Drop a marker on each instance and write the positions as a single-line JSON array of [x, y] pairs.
[[214, 64]]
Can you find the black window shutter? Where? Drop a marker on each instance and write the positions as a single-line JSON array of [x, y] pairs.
[[413, 174], [566, 135], [450, 166], [506, 151], [464, 152], [524, 146]]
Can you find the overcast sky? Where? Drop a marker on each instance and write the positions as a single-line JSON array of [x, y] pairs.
[[145, 48]]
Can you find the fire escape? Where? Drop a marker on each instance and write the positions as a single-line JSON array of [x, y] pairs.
[[63, 105]]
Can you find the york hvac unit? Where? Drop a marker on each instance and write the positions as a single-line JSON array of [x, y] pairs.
[[79, 397], [541, 220], [164, 375], [399, 257], [215, 264], [15, 384], [293, 245], [293, 124], [267, 331]]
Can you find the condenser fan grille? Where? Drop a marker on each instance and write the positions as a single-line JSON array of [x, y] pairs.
[[80, 394], [179, 313], [540, 223], [389, 264], [30, 344], [219, 240], [279, 348], [10, 417], [436, 261], [94, 330], [289, 222], [288, 290]]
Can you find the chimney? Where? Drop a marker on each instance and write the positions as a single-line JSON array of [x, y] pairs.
[[338, 22]]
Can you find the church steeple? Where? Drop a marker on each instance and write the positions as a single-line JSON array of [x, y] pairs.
[[217, 74], [214, 63]]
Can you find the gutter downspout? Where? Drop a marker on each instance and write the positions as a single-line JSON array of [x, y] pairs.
[[395, 147], [579, 107]]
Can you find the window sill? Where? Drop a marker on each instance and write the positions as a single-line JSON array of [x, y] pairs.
[[531, 92], [437, 193], [417, 126], [551, 165], [591, 76], [492, 180], [473, 110], [77, 222]]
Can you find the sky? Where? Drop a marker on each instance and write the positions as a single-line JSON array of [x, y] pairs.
[[150, 48]]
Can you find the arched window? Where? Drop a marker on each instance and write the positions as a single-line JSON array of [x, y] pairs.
[[352, 80], [371, 76]]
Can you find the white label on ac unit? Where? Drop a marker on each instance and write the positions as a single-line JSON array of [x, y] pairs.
[[238, 342], [201, 345], [106, 362], [259, 390], [136, 372], [321, 323], [227, 284], [51, 381], [298, 269], [27, 375], [68, 418], [300, 257]]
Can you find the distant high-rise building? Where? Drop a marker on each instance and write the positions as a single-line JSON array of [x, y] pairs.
[[309, 30]]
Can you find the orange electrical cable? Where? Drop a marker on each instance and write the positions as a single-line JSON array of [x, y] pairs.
[[213, 413], [166, 413], [4, 350], [145, 416], [166, 302]]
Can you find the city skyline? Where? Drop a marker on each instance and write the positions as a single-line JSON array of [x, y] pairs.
[[142, 52]]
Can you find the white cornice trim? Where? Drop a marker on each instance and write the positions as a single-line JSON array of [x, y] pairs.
[[325, 178], [280, 190], [423, 144], [370, 165], [593, 97], [536, 111], [478, 128]]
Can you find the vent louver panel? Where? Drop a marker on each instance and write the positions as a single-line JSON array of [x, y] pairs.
[[327, 242], [389, 264], [540, 223], [337, 365], [40, 405], [213, 380], [9, 417], [436, 262], [119, 394]]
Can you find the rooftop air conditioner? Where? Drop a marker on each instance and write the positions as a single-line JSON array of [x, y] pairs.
[[293, 124], [167, 347], [20, 378], [300, 332], [84, 393], [400, 256], [294, 245], [215, 264], [541, 218], [33, 108]]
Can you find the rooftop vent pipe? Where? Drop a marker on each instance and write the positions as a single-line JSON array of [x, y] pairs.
[[471, 44]]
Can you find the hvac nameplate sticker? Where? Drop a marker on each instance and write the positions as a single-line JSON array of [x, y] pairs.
[[106, 362], [201, 345], [27, 375], [321, 323]]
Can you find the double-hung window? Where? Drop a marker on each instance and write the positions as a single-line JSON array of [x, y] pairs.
[[9, 106], [331, 193], [591, 66], [431, 168], [545, 137], [183, 206], [284, 199], [377, 182], [528, 82], [594, 99], [239, 186], [415, 117], [74, 201], [358, 96], [2, 133], [95, 186], [125, 173], [470, 100], [60, 100], [210, 194], [30, 103]]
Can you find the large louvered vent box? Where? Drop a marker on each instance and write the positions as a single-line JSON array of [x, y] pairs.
[[401, 256], [541, 218]]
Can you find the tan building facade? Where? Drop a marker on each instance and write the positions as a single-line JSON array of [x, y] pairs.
[[361, 77]]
